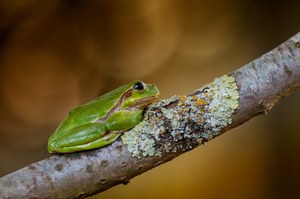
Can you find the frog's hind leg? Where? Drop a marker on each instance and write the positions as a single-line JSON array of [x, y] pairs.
[[84, 137], [107, 139]]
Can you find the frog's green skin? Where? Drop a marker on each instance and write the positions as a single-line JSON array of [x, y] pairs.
[[101, 121]]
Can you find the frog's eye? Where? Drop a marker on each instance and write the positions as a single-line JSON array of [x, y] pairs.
[[139, 86]]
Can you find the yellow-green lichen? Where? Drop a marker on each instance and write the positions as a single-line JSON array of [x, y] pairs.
[[190, 120]]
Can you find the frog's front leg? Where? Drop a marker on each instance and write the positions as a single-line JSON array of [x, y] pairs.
[[124, 120], [84, 137]]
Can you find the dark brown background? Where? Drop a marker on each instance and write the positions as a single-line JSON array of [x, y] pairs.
[[57, 54]]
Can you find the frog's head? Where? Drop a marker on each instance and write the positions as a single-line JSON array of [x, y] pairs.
[[140, 95]]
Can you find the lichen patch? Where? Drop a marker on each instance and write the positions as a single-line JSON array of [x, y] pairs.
[[184, 122]]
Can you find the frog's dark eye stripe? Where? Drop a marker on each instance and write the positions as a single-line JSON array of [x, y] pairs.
[[139, 86]]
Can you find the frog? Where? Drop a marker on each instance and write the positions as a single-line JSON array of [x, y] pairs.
[[102, 121]]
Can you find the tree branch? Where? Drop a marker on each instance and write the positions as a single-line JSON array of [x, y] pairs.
[[170, 128]]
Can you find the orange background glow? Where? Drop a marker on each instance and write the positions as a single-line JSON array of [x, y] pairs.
[[55, 55]]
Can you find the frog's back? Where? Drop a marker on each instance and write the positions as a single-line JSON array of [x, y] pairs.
[[92, 110]]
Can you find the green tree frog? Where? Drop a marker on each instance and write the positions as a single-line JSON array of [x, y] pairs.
[[101, 121]]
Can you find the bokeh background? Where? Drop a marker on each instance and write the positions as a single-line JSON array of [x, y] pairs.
[[55, 55]]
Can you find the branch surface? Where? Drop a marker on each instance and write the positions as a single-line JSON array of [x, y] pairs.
[[171, 127]]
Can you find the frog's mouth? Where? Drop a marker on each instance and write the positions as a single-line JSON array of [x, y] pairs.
[[145, 101]]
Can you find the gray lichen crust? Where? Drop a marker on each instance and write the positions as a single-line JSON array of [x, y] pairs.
[[183, 122]]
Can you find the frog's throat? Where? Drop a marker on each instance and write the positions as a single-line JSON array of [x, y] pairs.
[[142, 103]]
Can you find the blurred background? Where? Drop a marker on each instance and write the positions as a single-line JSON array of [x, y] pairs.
[[55, 55]]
